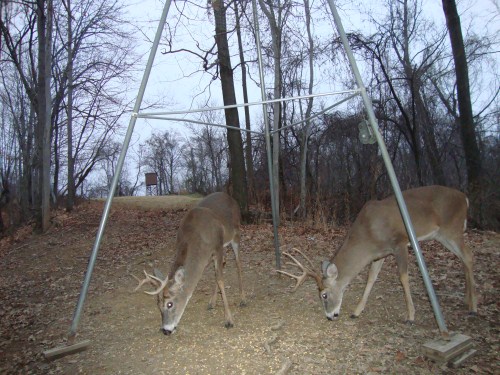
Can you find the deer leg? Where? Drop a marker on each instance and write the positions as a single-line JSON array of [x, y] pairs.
[[463, 252], [213, 299], [220, 282], [402, 262], [470, 291], [372, 277], [235, 244]]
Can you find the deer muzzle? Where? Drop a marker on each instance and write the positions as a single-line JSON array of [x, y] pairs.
[[166, 332], [333, 316]]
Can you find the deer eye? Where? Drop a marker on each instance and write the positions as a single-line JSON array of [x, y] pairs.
[[169, 305], [324, 295]]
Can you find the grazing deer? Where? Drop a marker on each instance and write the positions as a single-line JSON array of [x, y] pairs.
[[202, 235], [436, 212]]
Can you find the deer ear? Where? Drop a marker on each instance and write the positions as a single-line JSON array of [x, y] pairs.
[[329, 270], [179, 276]]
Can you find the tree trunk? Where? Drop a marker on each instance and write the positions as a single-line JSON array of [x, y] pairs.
[[70, 201], [305, 130], [56, 160], [276, 47], [429, 139], [466, 119], [409, 73], [44, 27], [235, 143], [248, 143], [25, 139]]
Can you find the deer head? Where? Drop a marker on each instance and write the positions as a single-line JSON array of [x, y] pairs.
[[329, 291], [332, 292], [170, 297]]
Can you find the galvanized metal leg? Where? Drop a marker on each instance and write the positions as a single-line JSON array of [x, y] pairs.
[[392, 175], [114, 183], [267, 135]]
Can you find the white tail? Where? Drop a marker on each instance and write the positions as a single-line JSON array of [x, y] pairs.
[[202, 235], [436, 212]]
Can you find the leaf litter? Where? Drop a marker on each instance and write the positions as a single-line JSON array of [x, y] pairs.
[[278, 332]]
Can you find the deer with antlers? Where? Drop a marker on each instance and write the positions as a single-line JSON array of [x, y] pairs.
[[203, 233], [436, 212]]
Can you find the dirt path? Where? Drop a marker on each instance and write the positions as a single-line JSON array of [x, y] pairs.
[[41, 277]]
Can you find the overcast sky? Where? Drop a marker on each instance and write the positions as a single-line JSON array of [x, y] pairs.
[[171, 80]]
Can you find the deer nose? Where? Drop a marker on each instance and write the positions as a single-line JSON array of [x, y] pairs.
[[334, 317], [166, 331]]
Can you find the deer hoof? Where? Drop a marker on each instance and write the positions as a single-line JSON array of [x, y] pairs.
[[210, 306], [229, 325], [243, 303], [472, 314], [353, 316], [409, 322]]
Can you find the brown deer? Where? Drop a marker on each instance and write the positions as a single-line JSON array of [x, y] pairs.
[[202, 235], [436, 212]]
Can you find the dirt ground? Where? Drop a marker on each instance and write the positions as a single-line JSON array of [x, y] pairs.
[[278, 330]]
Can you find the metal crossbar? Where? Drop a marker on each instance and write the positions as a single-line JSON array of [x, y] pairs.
[[231, 106], [164, 115]]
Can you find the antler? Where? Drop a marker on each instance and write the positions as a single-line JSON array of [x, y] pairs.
[[153, 280], [306, 271]]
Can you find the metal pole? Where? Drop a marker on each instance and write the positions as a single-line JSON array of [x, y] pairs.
[[267, 135], [114, 183], [392, 175]]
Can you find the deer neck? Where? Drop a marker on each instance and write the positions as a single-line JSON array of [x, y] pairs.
[[350, 260], [193, 264]]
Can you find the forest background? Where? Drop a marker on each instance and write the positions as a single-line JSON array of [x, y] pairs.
[[70, 72]]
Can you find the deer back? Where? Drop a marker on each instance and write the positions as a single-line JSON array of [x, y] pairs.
[[206, 228], [432, 209], [379, 223], [227, 211]]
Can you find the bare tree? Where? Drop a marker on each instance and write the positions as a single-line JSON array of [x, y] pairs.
[[276, 13], [69, 109], [76, 57], [206, 160], [306, 129], [163, 155], [466, 118], [93, 59], [243, 65], [235, 143], [43, 100], [36, 82]]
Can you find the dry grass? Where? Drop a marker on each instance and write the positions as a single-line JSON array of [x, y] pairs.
[[171, 202]]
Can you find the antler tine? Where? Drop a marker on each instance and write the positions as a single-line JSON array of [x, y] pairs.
[[300, 279], [306, 271], [141, 282], [163, 284], [153, 280], [305, 256]]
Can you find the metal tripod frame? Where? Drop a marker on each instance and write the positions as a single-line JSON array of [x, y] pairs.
[[349, 94]]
